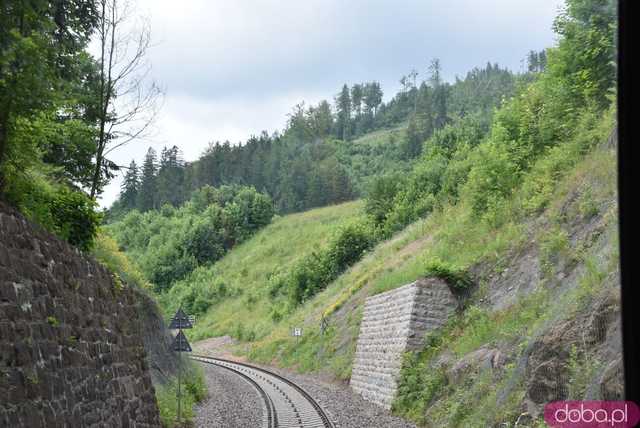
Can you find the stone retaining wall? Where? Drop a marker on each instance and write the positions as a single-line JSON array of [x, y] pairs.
[[71, 351], [393, 323]]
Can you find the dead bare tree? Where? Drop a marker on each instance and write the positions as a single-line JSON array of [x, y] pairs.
[[128, 102]]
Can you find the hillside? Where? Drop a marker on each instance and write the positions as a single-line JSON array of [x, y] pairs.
[[327, 153], [238, 282], [376, 153], [511, 206], [537, 284]]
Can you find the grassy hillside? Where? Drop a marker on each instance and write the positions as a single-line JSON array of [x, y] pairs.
[[243, 274], [562, 263]]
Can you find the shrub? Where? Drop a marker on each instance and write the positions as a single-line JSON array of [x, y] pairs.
[[381, 196], [63, 211], [203, 239], [455, 277], [491, 179], [169, 244], [106, 252], [309, 276], [313, 273], [193, 390], [348, 245], [276, 284], [74, 217]]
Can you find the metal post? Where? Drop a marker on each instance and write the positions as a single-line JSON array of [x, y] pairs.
[[180, 344], [179, 364]]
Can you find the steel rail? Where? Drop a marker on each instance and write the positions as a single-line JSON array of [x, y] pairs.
[[291, 405]]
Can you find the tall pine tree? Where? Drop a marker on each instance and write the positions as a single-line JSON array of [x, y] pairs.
[[130, 187], [148, 182], [343, 107]]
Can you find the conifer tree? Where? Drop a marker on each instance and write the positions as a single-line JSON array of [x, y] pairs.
[[130, 187], [343, 107], [148, 182]]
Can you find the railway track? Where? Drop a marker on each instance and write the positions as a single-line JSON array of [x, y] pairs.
[[285, 404]]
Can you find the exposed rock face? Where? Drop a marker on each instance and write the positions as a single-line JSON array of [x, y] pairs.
[[71, 350], [594, 333], [393, 323]]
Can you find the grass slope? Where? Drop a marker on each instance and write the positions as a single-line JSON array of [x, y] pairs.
[[567, 224], [245, 311], [450, 235]]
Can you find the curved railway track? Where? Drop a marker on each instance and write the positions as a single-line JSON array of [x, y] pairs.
[[285, 404]]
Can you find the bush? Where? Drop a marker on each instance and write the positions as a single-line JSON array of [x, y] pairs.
[[455, 277], [63, 211], [348, 245], [491, 179], [203, 239], [169, 244], [381, 196], [309, 276], [106, 252], [75, 218], [313, 273]]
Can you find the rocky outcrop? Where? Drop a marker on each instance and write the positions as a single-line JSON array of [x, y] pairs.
[[393, 323], [71, 349]]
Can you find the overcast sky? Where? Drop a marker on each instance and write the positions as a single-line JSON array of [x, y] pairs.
[[231, 69]]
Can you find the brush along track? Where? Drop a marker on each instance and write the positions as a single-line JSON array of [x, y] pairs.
[[285, 403]]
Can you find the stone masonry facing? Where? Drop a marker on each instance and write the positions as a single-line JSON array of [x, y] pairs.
[[393, 323], [71, 352]]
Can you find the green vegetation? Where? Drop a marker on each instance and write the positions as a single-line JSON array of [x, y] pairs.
[[454, 176], [377, 153], [481, 187], [106, 251], [311, 274], [237, 287], [455, 277], [193, 390], [324, 157], [170, 243], [58, 118]]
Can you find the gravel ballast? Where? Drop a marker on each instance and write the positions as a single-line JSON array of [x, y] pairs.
[[345, 408], [232, 401]]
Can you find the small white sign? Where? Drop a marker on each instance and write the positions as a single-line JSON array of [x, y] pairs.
[[297, 331]]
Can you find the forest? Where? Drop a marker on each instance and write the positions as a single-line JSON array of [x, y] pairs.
[[316, 160]]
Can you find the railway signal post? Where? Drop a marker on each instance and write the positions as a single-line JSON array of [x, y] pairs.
[[180, 343]]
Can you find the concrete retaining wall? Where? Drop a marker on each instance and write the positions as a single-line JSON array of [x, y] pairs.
[[393, 323]]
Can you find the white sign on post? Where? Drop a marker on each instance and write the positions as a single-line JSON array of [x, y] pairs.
[[297, 331]]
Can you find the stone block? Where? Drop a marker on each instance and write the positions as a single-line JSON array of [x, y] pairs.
[[393, 323]]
